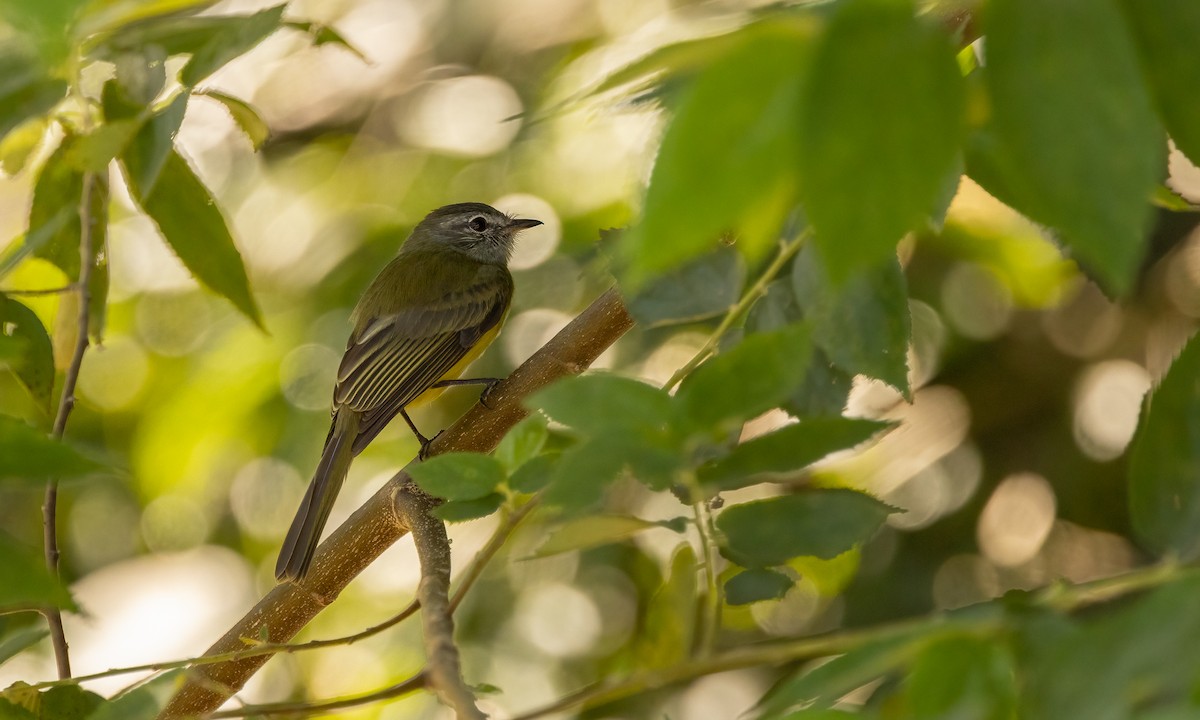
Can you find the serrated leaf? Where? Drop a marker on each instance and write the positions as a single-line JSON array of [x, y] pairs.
[[665, 638], [26, 92], [756, 585], [1071, 140], [93, 152], [595, 402], [881, 128], [1164, 487], [459, 476], [101, 19], [31, 455], [744, 151], [244, 114], [1165, 32], [701, 288], [25, 583], [153, 145], [522, 443], [143, 702], [20, 641], [963, 676], [591, 531], [34, 363], [754, 376], [325, 35], [788, 449], [188, 220], [821, 522], [228, 37], [862, 325], [463, 510], [585, 472]]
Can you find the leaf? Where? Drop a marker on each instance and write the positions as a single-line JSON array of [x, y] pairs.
[[229, 36], [665, 638], [756, 585], [189, 221], [34, 365], [591, 531], [786, 450], [522, 443], [143, 702], [459, 476], [19, 641], [25, 583], [594, 402], [463, 510], [31, 455], [534, 474], [820, 522], [1164, 487], [19, 144], [863, 325], [93, 152], [751, 378], [963, 676], [244, 114], [585, 471], [881, 127], [744, 151], [827, 683], [153, 145], [101, 19], [1071, 141], [1166, 32], [325, 35], [702, 288], [25, 91]]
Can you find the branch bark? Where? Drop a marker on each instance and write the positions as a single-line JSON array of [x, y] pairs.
[[387, 516]]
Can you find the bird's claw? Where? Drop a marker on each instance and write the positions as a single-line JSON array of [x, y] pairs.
[[423, 453], [489, 386]]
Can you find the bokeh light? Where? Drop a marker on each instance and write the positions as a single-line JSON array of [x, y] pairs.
[[1108, 401], [470, 116], [1017, 519]]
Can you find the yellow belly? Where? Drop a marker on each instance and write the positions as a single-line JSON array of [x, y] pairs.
[[459, 368]]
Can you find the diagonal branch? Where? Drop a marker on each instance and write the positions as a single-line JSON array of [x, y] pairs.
[[386, 516]]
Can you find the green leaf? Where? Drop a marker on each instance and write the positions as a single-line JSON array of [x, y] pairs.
[[701, 288], [244, 114], [30, 454], [463, 510], [1164, 487], [18, 145], [751, 378], [821, 522], [153, 145], [595, 402], [143, 702], [459, 476], [585, 471], [34, 364], [665, 638], [1072, 141], [11, 711], [25, 91], [534, 474], [881, 128], [756, 585], [100, 19], [325, 35], [961, 676], [228, 37], [591, 531], [863, 324], [188, 219], [744, 151], [827, 683], [1166, 32], [20, 641], [25, 583], [786, 450], [522, 443]]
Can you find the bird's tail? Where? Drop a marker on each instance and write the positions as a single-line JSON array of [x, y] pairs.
[[305, 532]]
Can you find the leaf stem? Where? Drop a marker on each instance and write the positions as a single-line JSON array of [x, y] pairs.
[[400, 689], [787, 249], [710, 624], [42, 291]]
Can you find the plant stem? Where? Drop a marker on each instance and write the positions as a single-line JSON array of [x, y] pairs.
[[400, 689], [710, 624], [66, 402], [787, 249], [507, 524]]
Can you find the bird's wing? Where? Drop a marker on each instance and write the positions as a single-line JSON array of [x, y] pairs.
[[396, 357]]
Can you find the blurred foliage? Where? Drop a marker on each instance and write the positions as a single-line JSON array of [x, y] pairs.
[[903, 273]]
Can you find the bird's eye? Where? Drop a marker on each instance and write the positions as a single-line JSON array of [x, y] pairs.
[[478, 223]]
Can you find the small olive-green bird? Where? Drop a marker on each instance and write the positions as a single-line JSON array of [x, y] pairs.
[[435, 307]]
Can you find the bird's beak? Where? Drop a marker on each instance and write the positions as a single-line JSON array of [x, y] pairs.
[[523, 223]]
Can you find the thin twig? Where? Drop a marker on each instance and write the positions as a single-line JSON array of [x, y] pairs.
[[42, 291], [507, 524], [710, 623], [787, 249], [66, 402], [400, 689], [257, 650], [441, 654]]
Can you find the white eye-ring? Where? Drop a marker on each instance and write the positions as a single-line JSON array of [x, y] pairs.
[[478, 223]]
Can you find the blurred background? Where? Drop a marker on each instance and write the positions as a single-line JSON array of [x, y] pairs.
[[1009, 462]]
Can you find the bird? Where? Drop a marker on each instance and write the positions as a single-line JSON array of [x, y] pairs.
[[425, 317]]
